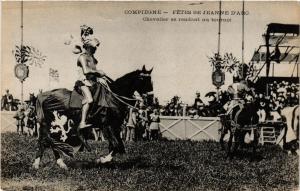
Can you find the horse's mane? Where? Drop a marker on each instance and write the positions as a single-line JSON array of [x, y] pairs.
[[127, 76], [126, 79]]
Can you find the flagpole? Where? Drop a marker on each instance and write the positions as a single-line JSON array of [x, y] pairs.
[[22, 93], [219, 39], [219, 32], [243, 38]]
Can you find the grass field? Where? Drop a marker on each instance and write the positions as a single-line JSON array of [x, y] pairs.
[[164, 165]]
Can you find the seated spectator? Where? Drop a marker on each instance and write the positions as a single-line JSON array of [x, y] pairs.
[[274, 114], [294, 88], [261, 103]]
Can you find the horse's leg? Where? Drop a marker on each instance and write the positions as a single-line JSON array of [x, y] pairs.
[[255, 143], [59, 160], [112, 134], [238, 139], [95, 134], [223, 133], [35, 128], [41, 145], [83, 141], [229, 154], [39, 154]]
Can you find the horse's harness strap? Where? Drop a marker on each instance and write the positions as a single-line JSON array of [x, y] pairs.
[[118, 97]]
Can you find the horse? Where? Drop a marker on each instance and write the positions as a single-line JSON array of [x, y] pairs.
[[59, 118], [242, 119], [288, 138]]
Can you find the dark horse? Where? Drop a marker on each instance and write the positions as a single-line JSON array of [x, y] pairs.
[[59, 118], [241, 120]]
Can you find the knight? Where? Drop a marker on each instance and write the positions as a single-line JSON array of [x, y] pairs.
[[88, 72], [238, 91]]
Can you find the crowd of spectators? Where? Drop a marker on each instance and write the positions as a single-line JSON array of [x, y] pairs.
[[142, 122], [24, 115], [212, 108], [279, 95]]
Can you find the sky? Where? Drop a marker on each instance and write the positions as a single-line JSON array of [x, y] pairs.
[[177, 50]]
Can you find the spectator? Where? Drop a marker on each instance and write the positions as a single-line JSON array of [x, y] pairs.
[[19, 116], [199, 105], [262, 108], [141, 122], [124, 129], [8, 101], [154, 125], [131, 124], [30, 121]]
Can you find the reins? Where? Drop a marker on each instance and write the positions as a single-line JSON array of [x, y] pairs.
[[118, 97]]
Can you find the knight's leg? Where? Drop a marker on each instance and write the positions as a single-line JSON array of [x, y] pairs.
[[86, 105]]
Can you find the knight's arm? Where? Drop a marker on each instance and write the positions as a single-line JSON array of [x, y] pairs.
[[83, 63]]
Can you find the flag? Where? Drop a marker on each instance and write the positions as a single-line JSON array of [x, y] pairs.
[[53, 74]]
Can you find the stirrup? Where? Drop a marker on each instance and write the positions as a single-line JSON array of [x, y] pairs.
[[83, 125]]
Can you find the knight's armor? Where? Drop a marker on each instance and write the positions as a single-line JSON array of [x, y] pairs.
[[89, 77], [238, 92]]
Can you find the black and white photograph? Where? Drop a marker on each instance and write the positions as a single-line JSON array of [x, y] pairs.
[[149, 95]]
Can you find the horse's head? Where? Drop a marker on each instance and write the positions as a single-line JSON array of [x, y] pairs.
[[139, 80], [143, 83]]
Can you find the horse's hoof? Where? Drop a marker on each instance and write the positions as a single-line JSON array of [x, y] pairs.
[[63, 167], [61, 164], [35, 166], [104, 160], [36, 163]]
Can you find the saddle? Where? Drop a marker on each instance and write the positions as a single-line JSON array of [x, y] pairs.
[[102, 96]]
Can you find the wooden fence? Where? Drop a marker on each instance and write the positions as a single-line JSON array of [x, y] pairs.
[[8, 123], [177, 127]]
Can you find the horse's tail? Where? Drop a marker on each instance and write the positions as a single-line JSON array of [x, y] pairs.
[[39, 108]]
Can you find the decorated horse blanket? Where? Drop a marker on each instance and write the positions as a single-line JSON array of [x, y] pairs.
[[64, 100]]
